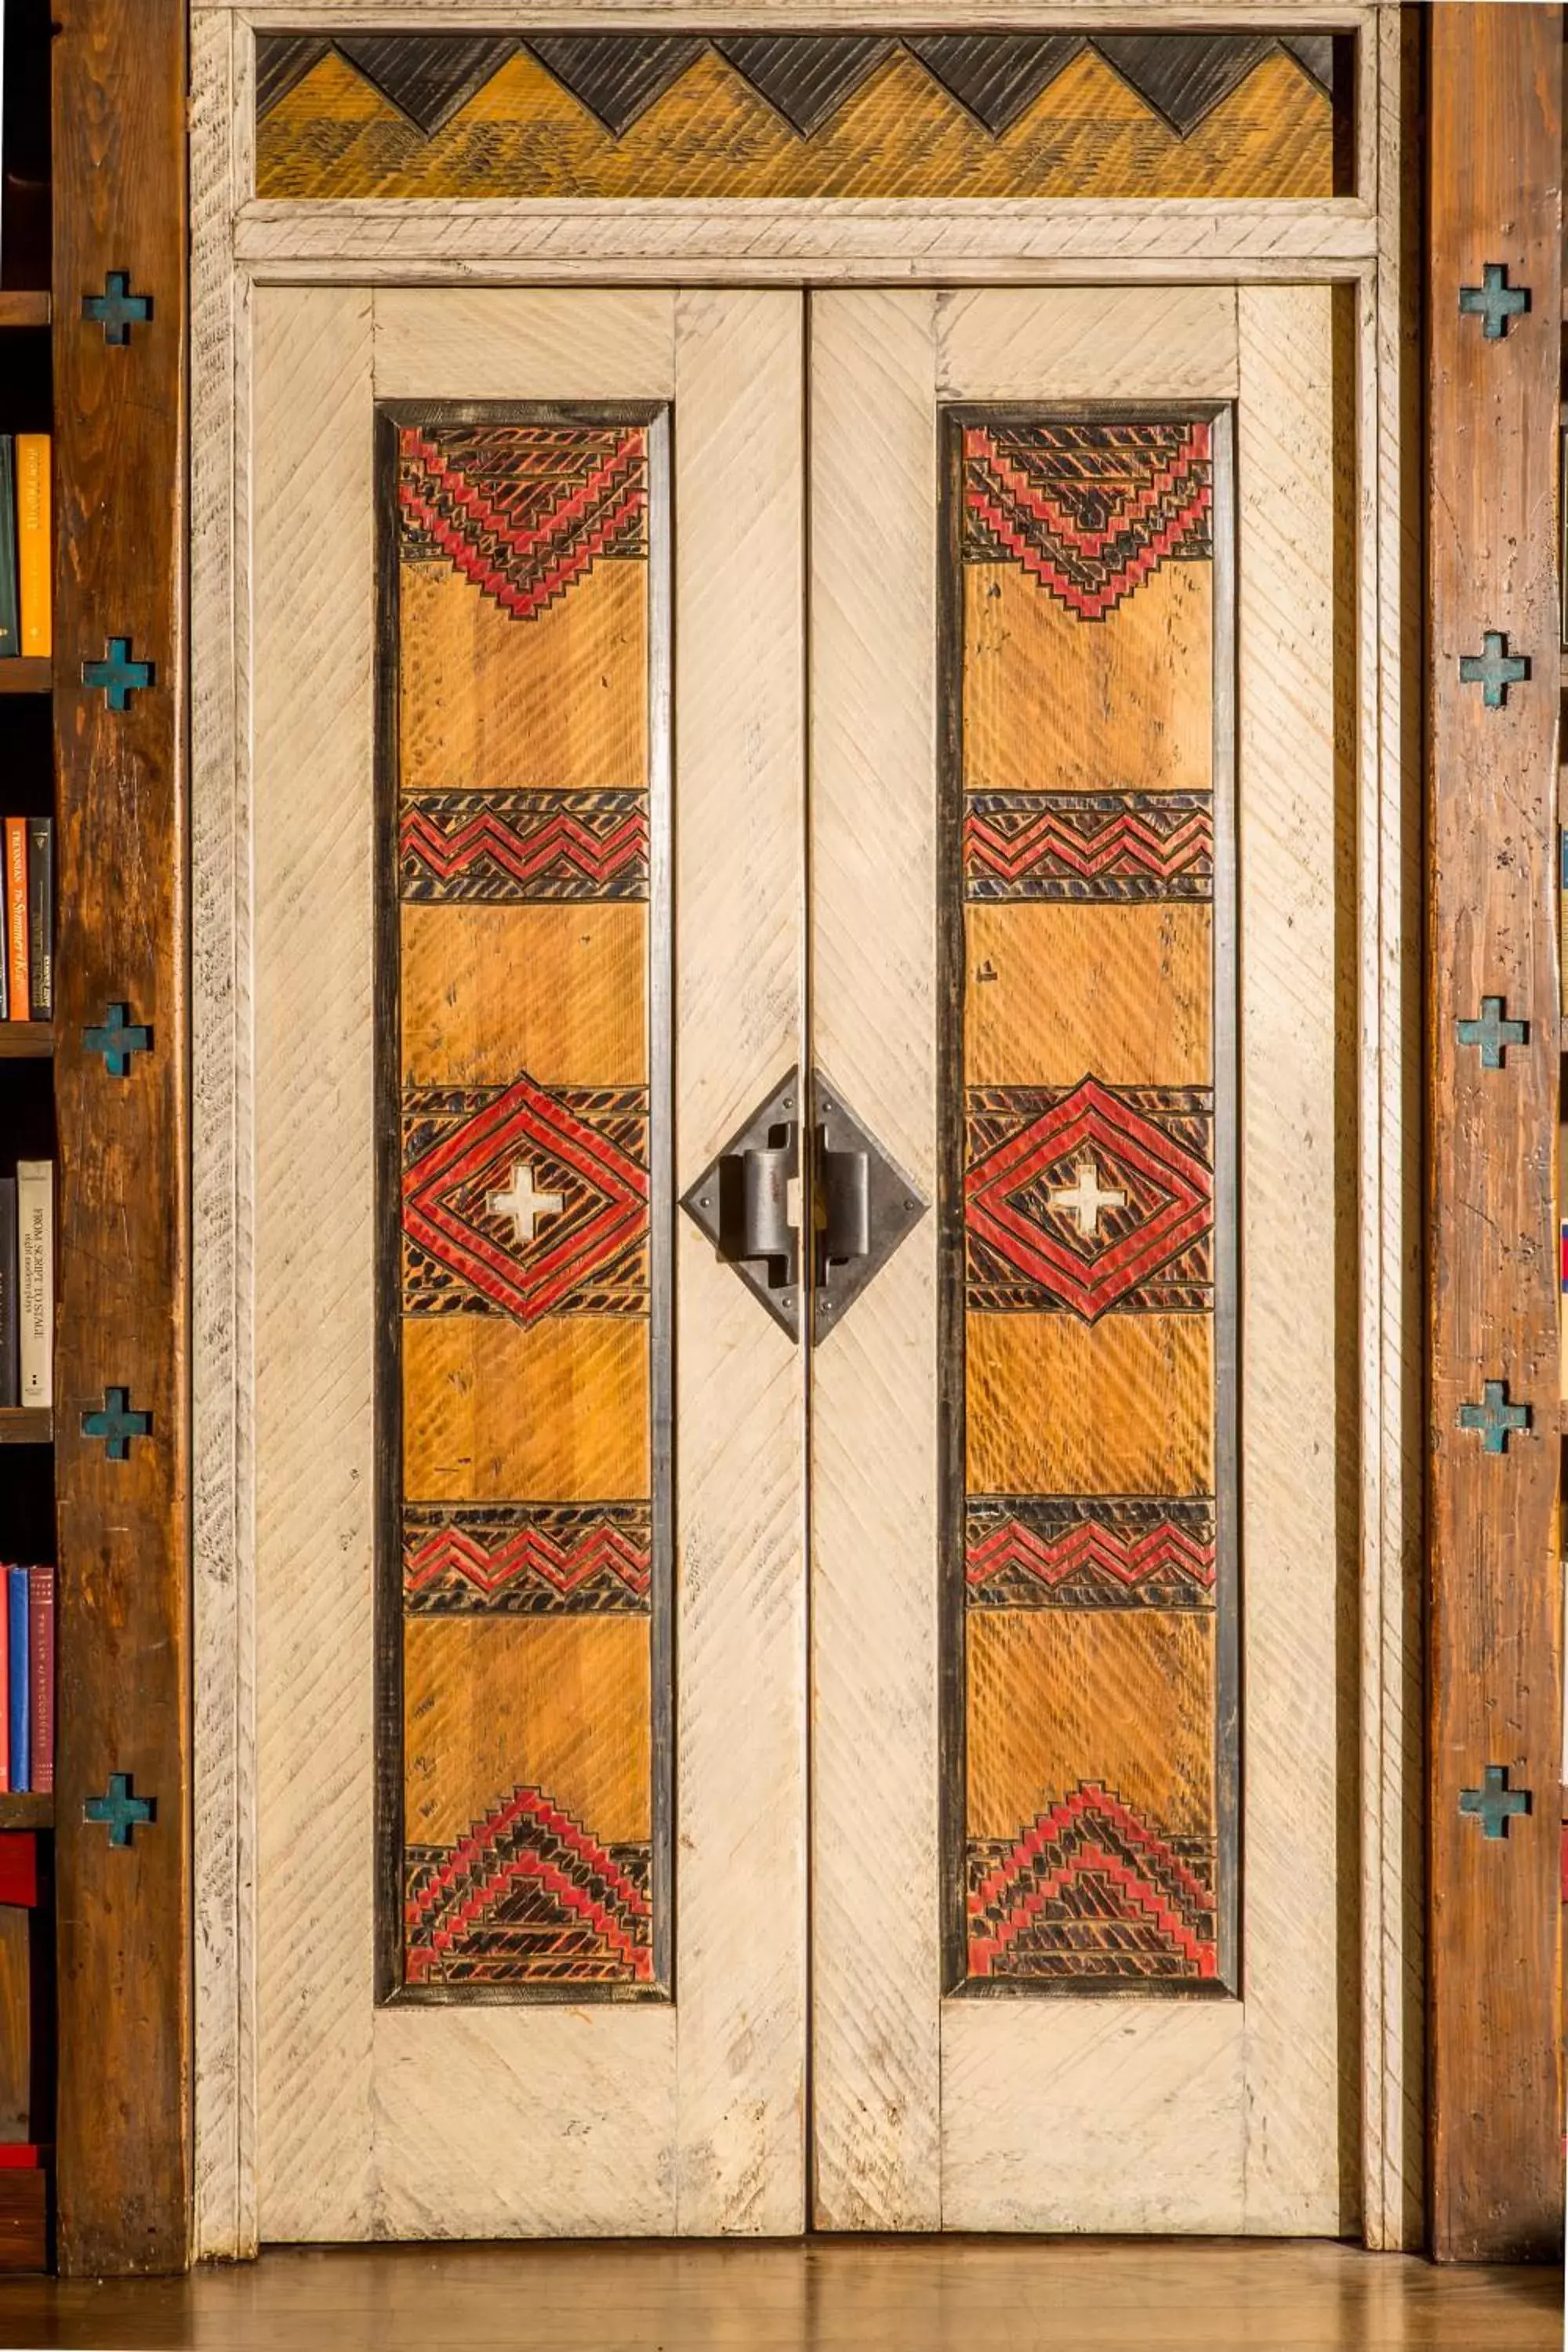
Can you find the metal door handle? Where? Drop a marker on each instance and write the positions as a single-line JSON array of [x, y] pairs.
[[862, 1205], [742, 1201]]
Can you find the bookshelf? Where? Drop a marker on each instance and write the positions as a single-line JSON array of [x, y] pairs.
[[27, 1130], [94, 1972]]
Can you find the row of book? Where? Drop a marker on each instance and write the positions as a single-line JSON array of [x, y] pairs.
[[28, 1284], [28, 920], [27, 1677], [26, 617]]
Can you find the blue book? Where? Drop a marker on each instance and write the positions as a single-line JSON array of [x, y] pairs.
[[17, 1711]]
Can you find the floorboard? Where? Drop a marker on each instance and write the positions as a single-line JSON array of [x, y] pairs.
[[825, 2295]]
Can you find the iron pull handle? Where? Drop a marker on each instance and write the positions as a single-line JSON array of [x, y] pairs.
[[755, 1220], [843, 1207]]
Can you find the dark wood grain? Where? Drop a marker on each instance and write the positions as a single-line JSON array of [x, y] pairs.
[[24, 306], [123, 2129], [23, 2221], [26, 1040], [26, 674], [1494, 1616]]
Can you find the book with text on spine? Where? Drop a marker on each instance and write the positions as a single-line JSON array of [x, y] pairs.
[[18, 1695], [41, 1676], [41, 918], [34, 581], [17, 976], [35, 1245], [10, 1305], [10, 618]]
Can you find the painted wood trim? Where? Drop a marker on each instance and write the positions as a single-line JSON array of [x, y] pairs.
[[626, 16], [1389, 850], [825, 239], [223, 1521], [877, 1899], [1494, 1592], [123, 2127]]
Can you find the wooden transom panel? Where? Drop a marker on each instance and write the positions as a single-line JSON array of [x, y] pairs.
[[684, 114], [1085, 1096]]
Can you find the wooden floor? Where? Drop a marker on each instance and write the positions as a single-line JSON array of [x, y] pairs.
[[828, 2295]]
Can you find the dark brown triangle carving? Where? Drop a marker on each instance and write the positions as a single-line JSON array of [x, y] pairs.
[[805, 76], [282, 61], [1314, 53], [1183, 76], [994, 75], [617, 76], [427, 76]]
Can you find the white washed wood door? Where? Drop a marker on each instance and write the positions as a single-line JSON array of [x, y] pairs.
[[492, 2115], [1083, 710]]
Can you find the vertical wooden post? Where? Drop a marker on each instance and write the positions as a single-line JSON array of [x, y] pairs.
[[1494, 226], [123, 1906]]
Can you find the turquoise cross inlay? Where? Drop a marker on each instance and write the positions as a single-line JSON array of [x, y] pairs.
[[1495, 300], [1494, 1417], [117, 1424], [121, 1812], [1494, 1801], [116, 309], [1492, 1033], [1494, 669], [117, 674], [118, 1039]]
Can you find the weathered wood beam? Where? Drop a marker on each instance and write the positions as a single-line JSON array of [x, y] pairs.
[[1494, 231]]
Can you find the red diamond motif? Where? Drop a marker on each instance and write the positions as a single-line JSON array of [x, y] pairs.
[[1169, 1197], [445, 1194]]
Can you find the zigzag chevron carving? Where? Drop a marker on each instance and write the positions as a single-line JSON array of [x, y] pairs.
[[806, 78]]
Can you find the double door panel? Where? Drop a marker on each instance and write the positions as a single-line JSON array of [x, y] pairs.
[[661, 695]]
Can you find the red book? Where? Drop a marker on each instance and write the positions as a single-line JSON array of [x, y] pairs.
[[20, 2155], [16, 987], [19, 1868], [41, 1669]]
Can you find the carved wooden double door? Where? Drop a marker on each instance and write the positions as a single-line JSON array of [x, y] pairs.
[[804, 1557]]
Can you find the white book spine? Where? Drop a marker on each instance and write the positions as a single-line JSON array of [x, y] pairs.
[[36, 1257]]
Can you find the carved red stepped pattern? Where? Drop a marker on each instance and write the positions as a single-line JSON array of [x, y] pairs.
[[1010, 1899], [527, 1837], [523, 566]]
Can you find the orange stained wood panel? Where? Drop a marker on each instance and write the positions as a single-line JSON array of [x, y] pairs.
[[1060, 1407], [558, 991], [1055, 989], [1057, 1697], [493, 1703], [496, 1411], [711, 135], [491, 702], [1053, 703]]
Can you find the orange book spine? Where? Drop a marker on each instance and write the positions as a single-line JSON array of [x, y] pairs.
[[33, 566], [16, 916]]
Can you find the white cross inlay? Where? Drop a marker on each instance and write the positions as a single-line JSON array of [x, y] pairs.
[[1085, 1200], [524, 1205]]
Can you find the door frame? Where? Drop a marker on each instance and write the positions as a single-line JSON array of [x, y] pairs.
[[1363, 242]]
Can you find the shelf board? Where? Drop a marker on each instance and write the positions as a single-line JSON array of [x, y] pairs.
[[28, 1812], [22, 1424], [26, 1040], [24, 306], [27, 674]]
